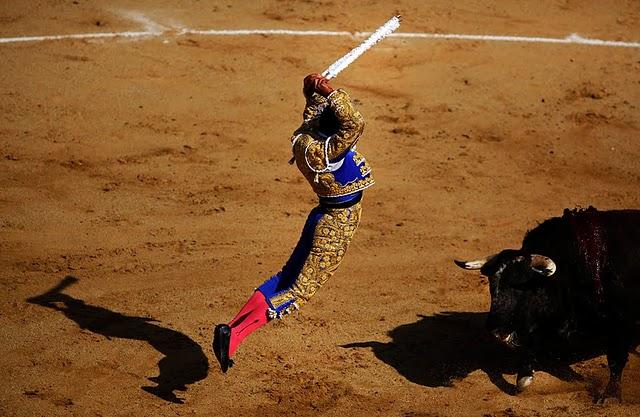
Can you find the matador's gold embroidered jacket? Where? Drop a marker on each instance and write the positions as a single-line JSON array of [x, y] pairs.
[[338, 174], [331, 165]]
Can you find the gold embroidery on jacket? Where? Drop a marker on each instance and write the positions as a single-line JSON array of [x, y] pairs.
[[362, 163], [331, 188], [312, 151]]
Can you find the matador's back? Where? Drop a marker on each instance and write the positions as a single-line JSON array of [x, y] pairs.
[[324, 148]]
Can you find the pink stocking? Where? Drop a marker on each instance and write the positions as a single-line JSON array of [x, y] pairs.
[[249, 319]]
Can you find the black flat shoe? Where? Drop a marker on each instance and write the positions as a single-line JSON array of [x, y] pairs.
[[221, 339]]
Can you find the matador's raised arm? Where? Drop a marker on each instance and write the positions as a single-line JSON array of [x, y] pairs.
[[337, 118], [350, 122], [313, 107], [332, 123]]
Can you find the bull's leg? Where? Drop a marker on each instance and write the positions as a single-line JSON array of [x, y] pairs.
[[525, 372], [617, 356], [613, 390], [528, 360]]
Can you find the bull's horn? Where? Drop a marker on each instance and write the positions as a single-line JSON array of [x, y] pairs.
[[543, 265], [473, 265]]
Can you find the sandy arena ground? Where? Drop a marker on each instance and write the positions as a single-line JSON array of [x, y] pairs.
[[148, 178]]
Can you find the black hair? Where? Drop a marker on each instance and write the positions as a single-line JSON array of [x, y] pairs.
[[328, 123]]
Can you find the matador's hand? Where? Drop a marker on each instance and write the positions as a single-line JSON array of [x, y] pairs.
[[318, 84]]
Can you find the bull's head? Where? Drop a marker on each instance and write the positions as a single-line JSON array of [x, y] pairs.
[[519, 283]]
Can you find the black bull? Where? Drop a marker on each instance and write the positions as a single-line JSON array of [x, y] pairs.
[[574, 283]]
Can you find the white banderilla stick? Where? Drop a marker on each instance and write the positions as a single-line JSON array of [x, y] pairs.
[[382, 32]]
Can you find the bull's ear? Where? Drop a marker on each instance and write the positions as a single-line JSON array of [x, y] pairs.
[[473, 265], [543, 265]]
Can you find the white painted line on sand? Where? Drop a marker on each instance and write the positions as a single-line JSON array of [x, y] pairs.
[[285, 32], [80, 36], [571, 39]]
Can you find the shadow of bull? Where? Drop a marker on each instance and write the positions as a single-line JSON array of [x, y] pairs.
[[438, 350]]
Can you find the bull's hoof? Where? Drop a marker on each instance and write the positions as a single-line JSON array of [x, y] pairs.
[[606, 400], [610, 396], [524, 382]]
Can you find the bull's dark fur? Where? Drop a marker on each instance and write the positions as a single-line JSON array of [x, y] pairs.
[[593, 298], [598, 258]]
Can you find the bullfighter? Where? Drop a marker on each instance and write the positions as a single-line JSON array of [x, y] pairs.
[[324, 150]]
